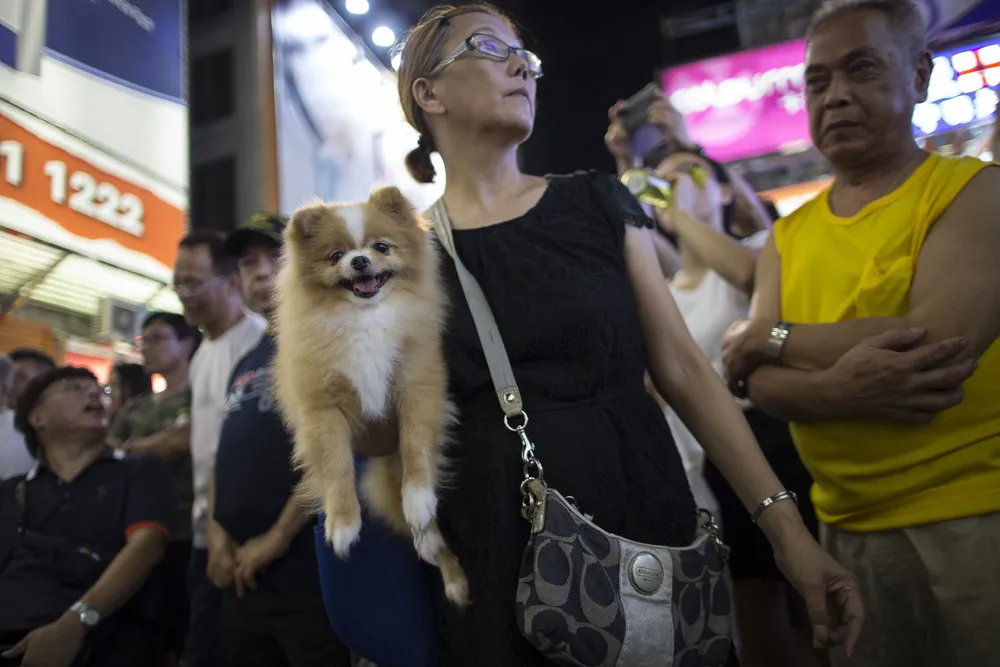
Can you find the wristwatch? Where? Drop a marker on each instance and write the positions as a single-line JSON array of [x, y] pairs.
[[90, 618], [776, 340]]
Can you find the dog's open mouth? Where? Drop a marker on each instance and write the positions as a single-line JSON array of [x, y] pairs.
[[368, 285]]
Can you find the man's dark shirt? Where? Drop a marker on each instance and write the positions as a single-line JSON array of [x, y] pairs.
[[88, 518], [254, 477], [150, 414]]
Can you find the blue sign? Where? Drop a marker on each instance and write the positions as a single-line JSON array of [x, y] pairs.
[[8, 46], [136, 43], [962, 89], [949, 21]]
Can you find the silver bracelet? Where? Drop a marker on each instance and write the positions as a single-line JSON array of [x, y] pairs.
[[767, 502], [777, 339]]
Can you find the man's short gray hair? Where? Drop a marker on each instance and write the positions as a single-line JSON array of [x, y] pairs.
[[905, 20], [6, 374]]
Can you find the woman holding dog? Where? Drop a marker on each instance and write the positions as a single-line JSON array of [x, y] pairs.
[[568, 270]]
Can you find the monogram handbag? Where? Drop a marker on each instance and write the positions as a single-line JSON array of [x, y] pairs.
[[586, 597]]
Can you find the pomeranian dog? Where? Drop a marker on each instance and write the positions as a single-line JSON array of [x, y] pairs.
[[359, 321]]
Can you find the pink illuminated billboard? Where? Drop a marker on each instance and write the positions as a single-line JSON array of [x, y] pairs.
[[744, 104]]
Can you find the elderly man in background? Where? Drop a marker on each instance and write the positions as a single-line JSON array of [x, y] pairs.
[[874, 331]]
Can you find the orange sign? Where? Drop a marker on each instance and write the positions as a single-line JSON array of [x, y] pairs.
[[83, 199]]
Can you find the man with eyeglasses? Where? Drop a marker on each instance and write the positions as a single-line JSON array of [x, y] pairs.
[[159, 424], [207, 282], [81, 535]]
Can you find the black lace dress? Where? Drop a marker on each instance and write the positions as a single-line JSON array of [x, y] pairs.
[[557, 283]]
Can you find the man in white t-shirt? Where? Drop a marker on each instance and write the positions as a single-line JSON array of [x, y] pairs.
[[208, 285]]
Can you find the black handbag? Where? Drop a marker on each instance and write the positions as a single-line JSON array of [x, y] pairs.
[[586, 597]]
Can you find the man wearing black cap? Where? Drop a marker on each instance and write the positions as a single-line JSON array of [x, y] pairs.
[[80, 536], [273, 613]]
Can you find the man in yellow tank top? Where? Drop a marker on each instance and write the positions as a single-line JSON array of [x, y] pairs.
[[874, 331]]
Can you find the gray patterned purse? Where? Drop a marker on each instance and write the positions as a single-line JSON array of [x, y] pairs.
[[587, 597]]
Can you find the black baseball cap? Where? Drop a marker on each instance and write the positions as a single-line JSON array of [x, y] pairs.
[[269, 226]]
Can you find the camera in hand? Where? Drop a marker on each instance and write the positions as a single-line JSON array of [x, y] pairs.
[[649, 143], [655, 191]]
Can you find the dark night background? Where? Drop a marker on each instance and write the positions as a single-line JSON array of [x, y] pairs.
[[594, 54]]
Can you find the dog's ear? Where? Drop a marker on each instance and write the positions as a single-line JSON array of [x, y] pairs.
[[391, 200], [305, 222]]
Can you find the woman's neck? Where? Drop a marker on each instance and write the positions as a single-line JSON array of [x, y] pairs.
[[480, 173]]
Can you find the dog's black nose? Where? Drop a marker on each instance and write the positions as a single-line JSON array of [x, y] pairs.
[[360, 263]]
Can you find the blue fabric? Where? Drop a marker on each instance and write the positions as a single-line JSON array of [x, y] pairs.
[[379, 600]]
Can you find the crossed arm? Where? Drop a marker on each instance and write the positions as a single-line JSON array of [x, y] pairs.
[[955, 292]]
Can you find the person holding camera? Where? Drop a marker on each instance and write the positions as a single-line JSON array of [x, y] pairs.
[[718, 225], [650, 133]]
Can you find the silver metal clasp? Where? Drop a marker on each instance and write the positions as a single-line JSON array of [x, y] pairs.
[[533, 483]]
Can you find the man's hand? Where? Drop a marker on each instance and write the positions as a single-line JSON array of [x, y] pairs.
[[256, 554], [53, 645], [743, 351], [221, 567], [886, 378]]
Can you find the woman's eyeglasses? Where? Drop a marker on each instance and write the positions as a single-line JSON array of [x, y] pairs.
[[492, 47]]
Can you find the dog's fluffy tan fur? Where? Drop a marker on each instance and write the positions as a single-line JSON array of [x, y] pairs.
[[359, 320]]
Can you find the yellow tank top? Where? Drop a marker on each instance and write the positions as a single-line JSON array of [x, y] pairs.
[[879, 476]]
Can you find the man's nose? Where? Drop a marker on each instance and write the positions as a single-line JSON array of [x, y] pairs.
[[838, 93], [360, 263]]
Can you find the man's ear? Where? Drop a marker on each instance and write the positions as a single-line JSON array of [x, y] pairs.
[[35, 418], [425, 96], [922, 75]]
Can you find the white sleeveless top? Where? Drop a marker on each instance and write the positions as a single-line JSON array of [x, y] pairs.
[[708, 310]]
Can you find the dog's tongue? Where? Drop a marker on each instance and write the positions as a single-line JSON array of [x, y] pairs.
[[365, 285]]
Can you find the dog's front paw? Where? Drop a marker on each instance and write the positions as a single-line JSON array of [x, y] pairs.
[[342, 532], [419, 506]]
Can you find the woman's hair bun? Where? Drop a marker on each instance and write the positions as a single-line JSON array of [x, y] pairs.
[[418, 163]]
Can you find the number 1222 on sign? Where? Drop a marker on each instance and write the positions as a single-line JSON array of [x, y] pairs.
[[81, 191]]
